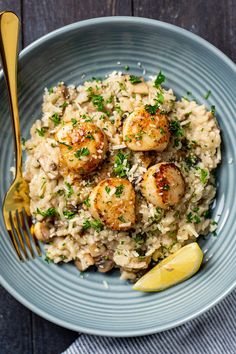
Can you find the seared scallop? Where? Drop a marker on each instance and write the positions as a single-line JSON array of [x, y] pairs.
[[163, 185], [143, 131], [113, 202], [82, 146]]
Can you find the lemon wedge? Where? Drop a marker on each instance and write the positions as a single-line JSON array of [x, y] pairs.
[[174, 269]]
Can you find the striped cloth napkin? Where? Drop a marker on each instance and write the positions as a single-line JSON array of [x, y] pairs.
[[212, 333]]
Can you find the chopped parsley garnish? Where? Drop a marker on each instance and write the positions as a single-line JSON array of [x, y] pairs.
[[87, 202], [159, 80], [48, 212], [95, 224], [158, 214], [162, 131], [55, 118], [64, 104], [121, 218], [97, 79], [139, 136], [138, 239], [122, 165], [196, 219], [203, 175], [107, 189], [97, 101], [134, 79], [86, 225], [50, 91], [191, 160], [213, 110], [67, 145], [89, 136], [70, 189], [152, 109], [110, 99], [48, 260], [186, 116], [119, 190], [175, 128], [166, 187], [176, 142], [193, 218], [23, 141], [189, 217], [69, 214], [40, 131], [118, 109], [127, 138], [87, 119], [82, 152], [206, 214], [160, 98], [74, 121], [207, 95], [127, 67]]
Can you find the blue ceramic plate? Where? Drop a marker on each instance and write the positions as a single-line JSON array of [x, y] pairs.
[[94, 48]]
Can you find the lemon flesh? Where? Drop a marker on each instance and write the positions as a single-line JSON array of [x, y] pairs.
[[174, 269]]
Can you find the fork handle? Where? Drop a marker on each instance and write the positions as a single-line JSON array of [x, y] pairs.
[[9, 33]]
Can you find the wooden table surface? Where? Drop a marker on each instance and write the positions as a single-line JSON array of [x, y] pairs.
[[21, 331]]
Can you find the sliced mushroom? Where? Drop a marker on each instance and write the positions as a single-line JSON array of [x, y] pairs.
[[65, 91], [96, 250], [84, 262], [42, 231], [106, 266], [49, 167], [105, 262]]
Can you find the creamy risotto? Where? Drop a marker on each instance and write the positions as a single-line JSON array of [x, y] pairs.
[[120, 173]]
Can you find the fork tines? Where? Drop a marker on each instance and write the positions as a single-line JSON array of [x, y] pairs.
[[21, 236]]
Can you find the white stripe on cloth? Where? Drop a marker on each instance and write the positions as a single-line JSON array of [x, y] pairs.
[[212, 333]]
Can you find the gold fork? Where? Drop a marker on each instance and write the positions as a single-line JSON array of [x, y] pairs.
[[16, 211]]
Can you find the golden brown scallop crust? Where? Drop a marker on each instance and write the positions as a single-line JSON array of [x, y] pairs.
[[143, 131], [113, 202], [83, 147], [163, 185]]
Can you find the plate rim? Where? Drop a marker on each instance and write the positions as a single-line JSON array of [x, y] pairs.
[[84, 24]]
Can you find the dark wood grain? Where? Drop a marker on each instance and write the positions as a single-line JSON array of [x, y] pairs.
[[21, 331], [43, 16], [15, 326], [49, 338], [213, 20], [13, 5]]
